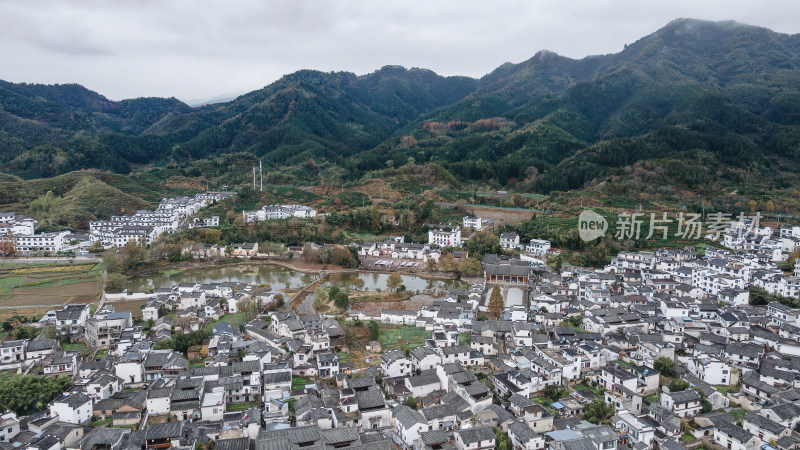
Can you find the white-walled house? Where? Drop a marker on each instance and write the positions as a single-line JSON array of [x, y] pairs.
[[445, 236], [732, 437], [711, 370], [212, 407], [158, 401], [395, 364], [684, 404], [509, 241], [408, 425], [74, 408], [475, 438], [130, 368], [538, 247]]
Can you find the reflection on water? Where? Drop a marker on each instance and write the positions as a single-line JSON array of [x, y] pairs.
[[280, 278], [374, 281]]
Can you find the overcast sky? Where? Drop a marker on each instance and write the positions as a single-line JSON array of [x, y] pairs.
[[199, 50]]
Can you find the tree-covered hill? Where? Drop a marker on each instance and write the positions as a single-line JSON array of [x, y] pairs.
[[694, 105]]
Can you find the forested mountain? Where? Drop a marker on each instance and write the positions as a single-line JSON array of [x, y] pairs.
[[693, 103]]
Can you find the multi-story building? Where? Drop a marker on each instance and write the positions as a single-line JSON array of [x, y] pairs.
[[41, 243], [472, 222], [274, 212], [445, 236]]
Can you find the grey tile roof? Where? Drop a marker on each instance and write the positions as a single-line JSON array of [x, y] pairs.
[[786, 411], [164, 430], [407, 416], [688, 395], [733, 431], [370, 399], [101, 437], [75, 400], [763, 423], [578, 444], [477, 434], [242, 443]]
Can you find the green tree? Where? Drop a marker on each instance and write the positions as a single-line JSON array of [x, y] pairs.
[[165, 344], [664, 366], [678, 385], [115, 282], [598, 412], [411, 402], [394, 281], [552, 393], [558, 264], [374, 330], [483, 242], [496, 304], [26, 395], [501, 439], [340, 299]]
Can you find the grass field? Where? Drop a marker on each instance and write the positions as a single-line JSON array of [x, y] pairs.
[[234, 319], [738, 413], [82, 348], [299, 383], [727, 389]]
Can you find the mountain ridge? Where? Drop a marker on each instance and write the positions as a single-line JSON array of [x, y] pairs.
[[691, 89]]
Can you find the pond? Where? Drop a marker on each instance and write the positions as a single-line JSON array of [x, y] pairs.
[[279, 277], [374, 281]]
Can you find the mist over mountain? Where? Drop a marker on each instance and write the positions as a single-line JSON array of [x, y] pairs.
[[694, 102]]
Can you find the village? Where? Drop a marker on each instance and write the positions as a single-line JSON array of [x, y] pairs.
[[662, 349]]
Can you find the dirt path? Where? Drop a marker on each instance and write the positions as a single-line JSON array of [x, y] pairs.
[[301, 302]]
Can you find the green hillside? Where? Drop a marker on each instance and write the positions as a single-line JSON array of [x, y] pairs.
[[694, 110]]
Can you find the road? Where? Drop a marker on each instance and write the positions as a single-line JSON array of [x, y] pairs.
[[51, 259]]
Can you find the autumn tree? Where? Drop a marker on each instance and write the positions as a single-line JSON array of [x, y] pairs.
[[341, 256], [7, 245], [359, 284], [394, 281], [469, 267], [310, 255], [496, 304], [212, 236], [447, 263], [431, 263], [320, 297]]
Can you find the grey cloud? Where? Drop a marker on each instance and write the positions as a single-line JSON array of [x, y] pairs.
[[199, 49]]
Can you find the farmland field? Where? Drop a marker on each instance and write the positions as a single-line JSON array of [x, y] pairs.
[[133, 306], [392, 337], [37, 286]]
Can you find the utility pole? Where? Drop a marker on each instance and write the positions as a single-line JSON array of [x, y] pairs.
[[254, 178], [261, 173]]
